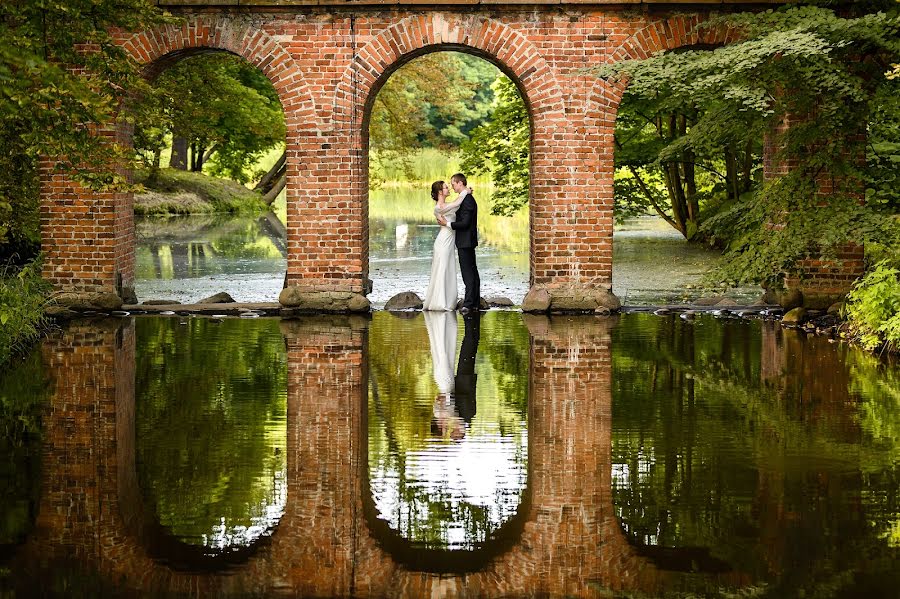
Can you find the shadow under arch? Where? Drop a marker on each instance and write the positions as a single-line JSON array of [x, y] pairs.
[[414, 556]]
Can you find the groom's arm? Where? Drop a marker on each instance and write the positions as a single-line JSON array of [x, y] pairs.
[[466, 214]]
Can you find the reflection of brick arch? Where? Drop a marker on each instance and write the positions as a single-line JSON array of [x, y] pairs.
[[674, 32], [323, 546], [159, 48], [417, 35]]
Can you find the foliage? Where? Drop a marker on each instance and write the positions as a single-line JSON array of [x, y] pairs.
[[23, 297], [501, 147], [225, 108], [433, 101], [810, 66], [211, 401], [61, 76], [873, 308], [172, 191]]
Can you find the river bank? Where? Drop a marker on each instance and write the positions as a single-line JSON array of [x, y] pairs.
[[173, 191]]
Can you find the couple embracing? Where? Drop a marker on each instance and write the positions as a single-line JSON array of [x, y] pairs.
[[459, 230]]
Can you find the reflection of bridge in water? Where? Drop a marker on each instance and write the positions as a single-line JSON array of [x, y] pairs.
[[569, 543]]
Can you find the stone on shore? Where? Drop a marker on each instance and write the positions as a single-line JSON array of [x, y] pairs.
[[498, 301], [219, 298], [537, 300], [794, 317], [88, 301], [406, 300], [313, 300], [160, 302]]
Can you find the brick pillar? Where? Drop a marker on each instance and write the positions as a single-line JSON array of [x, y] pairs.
[[821, 282], [572, 206], [92, 369], [87, 237], [327, 375]]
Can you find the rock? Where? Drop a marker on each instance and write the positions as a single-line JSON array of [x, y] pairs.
[[602, 311], [88, 301], [119, 313], [662, 312], [836, 308], [606, 299], [708, 300], [219, 298], [537, 300], [498, 301], [359, 303], [688, 315], [297, 300], [406, 300], [370, 285], [128, 295], [789, 298], [794, 317], [726, 302], [161, 302]]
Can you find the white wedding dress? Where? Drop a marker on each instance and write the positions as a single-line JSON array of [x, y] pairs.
[[442, 331], [442, 292]]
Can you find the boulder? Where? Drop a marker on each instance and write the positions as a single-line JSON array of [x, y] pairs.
[[726, 302], [498, 301], [789, 298], [299, 300], [219, 298], [606, 299], [794, 317], [836, 308], [406, 300], [359, 303], [88, 301], [537, 300]]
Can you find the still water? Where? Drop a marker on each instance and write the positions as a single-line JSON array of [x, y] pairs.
[[505, 455], [187, 258]]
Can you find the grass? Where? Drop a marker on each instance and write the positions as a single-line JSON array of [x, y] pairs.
[[23, 297], [424, 166], [186, 192]]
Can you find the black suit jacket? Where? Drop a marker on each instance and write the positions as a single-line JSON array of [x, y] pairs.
[[466, 223]]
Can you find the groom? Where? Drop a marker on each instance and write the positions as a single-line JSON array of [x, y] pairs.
[[466, 227]]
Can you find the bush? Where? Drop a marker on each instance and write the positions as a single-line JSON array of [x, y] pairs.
[[873, 308], [23, 296]]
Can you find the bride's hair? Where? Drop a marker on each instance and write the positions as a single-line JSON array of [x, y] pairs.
[[436, 188]]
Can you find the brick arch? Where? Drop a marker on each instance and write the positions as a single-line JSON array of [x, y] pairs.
[[415, 36], [158, 48]]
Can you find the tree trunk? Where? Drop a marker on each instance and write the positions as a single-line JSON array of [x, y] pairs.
[[179, 153], [690, 178], [730, 173], [271, 177], [270, 195], [747, 182]]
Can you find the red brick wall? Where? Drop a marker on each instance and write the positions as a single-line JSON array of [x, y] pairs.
[[327, 63]]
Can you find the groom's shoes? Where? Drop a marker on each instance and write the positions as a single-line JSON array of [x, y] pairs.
[[464, 310]]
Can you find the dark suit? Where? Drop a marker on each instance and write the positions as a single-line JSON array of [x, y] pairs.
[[466, 227], [464, 395]]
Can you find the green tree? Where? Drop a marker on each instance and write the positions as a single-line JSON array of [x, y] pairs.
[[822, 71], [225, 109], [501, 147], [61, 75]]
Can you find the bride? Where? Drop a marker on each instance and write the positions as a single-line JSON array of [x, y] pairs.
[[442, 292]]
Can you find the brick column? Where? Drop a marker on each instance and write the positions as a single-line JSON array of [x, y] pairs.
[[820, 281], [88, 241]]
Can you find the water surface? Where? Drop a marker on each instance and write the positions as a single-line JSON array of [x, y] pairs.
[[499, 456]]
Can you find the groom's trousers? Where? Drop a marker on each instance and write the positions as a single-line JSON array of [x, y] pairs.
[[472, 281]]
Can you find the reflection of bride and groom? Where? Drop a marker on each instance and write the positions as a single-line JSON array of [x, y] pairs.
[[454, 407]]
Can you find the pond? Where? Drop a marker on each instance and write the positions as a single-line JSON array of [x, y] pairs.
[[187, 258], [500, 455]]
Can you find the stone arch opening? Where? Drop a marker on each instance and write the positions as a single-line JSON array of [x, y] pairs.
[[398, 235], [213, 159], [664, 206]]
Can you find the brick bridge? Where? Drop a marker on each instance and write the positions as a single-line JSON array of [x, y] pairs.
[[570, 543], [327, 61]]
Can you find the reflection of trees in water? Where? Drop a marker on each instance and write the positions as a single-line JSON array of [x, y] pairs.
[[24, 391], [211, 429], [189, 246], [400, 406], [757, 464]]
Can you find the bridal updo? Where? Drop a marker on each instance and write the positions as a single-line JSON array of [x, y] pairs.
[[436, 188]]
